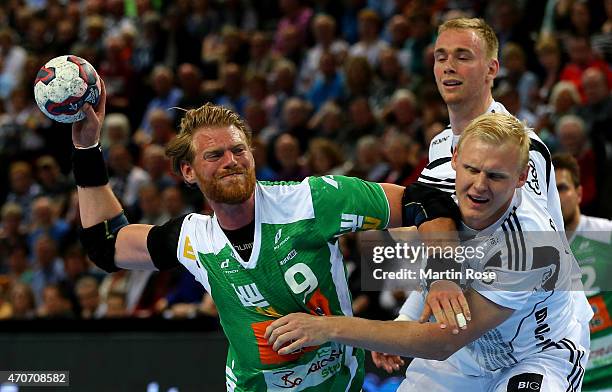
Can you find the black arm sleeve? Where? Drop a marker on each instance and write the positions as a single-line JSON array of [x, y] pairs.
[[162, 243], [422, 203]]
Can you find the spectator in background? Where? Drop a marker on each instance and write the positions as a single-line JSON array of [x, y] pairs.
[[12, 58], [549, 57], [263, 171], [514, 71], [115, 305], [402, 153], [360, 78], [370, 44], [150, 203], [324, 157], [48, 267], [391, 77], [296, 113], [118, 75], [89, 298], [399, 31], [328, 121], [573, 140], [126, 178], [162, 129], [421, 36], [324, 31], [55, 303], [190, 82], [174, 202], [261, 59], [328, 84], [53, 182], [12, 232], [232, 96], [22, 302], [257, 118], [283, 81], [509, 96], [202, 20], [402, 115], [368, 162], [166, 95], [295, 16], [362, 121], [581, 58], [287, 152], [46, 221], [293, 47], [597, 108], [156, 164], [117, 131], [19, 270], [23, 188]]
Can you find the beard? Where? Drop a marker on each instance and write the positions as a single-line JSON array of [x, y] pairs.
[[237, 190]]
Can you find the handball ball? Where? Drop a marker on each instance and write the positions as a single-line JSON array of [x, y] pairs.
[[64, 85]]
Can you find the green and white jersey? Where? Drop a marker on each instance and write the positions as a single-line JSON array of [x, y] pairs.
[[295, 266], [591, 244]]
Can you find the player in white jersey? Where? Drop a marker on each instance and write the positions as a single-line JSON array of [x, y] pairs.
[[525, 334], [465, 66], [591, 242]]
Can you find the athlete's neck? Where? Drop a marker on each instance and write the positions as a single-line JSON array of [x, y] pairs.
[[234, 216], [572, 224], [461, 114]]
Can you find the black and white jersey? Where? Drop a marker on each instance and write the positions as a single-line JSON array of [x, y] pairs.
[[540, 188], [532, 277]]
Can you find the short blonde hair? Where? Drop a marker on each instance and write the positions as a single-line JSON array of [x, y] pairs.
[[181, 149], [497, 129], [480, 27]]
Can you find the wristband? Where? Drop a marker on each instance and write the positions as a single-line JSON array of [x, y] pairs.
[[89, 167]]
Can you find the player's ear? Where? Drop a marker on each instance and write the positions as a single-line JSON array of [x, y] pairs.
[[492, 69], [188, 173], [523, 177], [454, 160]]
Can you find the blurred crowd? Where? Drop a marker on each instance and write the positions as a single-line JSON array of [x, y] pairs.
[[326, 86]]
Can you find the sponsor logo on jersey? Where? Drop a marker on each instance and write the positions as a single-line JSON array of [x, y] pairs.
[[289, 256], [441, 140], [250, 296], [188, 249], [542, 327], [326, 363], [532, 180], [278, 235], [352, 222], [525, 382]]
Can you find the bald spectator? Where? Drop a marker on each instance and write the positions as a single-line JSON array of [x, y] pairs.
[[368, 162], [573, 139]]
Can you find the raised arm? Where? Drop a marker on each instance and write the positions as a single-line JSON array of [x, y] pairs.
[[110, 242]]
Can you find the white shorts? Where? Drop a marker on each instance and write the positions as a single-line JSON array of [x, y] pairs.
[[556, 369]]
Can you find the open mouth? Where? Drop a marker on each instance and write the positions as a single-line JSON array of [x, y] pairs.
[[452, 83], [478, 200]]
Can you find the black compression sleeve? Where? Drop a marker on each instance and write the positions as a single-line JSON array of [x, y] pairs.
[[162, 243]]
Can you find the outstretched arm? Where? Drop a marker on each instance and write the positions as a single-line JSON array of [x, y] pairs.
[[99, 207], [405, 338]]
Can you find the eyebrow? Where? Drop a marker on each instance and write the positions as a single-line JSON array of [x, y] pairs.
[[488, 172]]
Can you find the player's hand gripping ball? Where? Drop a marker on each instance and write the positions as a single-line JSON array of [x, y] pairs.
[[64, 85]]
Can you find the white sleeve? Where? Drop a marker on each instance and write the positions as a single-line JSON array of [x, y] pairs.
[[413, 307]]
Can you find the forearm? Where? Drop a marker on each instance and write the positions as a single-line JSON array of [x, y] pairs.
[[404, 338], [97, 204]]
